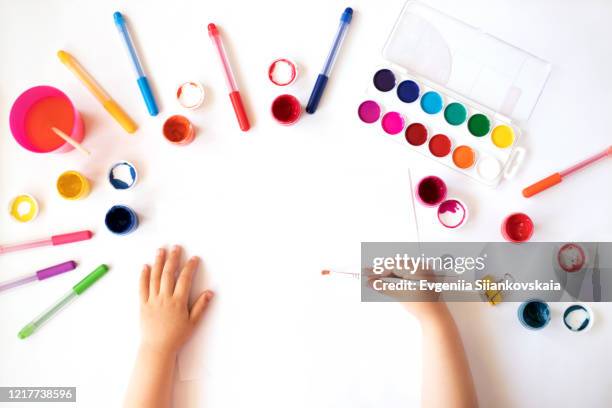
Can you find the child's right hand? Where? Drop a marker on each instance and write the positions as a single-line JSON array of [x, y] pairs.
[[167, 320]]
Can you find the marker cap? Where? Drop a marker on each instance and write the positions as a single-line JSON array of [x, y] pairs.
[[90, 279]]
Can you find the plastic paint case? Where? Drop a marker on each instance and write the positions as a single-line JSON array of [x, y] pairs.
[[72, 185], [23, 208], [491, 80], [36, 111]]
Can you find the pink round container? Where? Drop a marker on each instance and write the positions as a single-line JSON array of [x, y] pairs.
[[39, 109], [431, 191]]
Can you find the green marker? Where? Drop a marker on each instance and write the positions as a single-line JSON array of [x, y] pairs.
[[76, 290]]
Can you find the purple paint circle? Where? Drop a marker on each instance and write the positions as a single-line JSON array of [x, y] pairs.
[[393, 123], [369, 111]]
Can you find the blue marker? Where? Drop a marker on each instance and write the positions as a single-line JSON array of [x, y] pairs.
[[319, 87], [143, 84]]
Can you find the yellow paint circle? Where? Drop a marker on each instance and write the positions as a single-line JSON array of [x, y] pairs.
[[72, 185], [502, 136], [23, 208]]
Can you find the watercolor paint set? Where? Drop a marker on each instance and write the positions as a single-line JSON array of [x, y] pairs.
[[454, 93]]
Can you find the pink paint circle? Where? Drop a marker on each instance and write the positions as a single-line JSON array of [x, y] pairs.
[[393, 123], [369, 111]]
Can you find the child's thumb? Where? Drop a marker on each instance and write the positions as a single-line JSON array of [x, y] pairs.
[[200, 305]]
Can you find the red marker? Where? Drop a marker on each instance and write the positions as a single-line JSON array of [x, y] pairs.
[[243, 120]]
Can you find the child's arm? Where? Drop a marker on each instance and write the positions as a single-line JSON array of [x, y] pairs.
[[167, 322], [447, 380]]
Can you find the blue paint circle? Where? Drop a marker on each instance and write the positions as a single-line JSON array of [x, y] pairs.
[[408, 91], [121, 220], [574, 308], [431, 102], [534, 314]]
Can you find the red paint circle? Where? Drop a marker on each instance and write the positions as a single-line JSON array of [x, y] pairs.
[[416, 134], [440, 145], [517, 227]]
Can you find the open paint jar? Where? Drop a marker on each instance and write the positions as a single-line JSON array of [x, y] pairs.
[[517, 227], [286, 109], [178, 130], [534, 314], [452, 213], [122, 175], [190, 95], [23, 208], [121, 220], [72, 185], [578, 318], [431, 191], [282, 72], [39, 109], [571, 257]]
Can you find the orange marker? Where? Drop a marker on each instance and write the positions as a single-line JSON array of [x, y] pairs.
[[556, 178], [327, 272]]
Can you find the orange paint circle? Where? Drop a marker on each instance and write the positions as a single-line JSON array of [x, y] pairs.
[[464, 157]]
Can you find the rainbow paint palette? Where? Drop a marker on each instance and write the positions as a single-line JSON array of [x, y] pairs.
[[454, 94]]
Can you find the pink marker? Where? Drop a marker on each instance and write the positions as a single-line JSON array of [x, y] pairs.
[[53, 240], [243, 120], [39, 275]]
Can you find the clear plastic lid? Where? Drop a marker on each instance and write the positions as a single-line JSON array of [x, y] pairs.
[[469, 62]]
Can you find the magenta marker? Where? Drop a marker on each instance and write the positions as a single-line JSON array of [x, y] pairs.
[[54, 240], [39, 275]]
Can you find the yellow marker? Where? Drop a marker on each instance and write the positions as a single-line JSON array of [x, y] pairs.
[[23, 208], [502, 136], [72, 185], [109, 104]]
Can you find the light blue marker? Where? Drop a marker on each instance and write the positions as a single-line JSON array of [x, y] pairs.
[[143, 84]]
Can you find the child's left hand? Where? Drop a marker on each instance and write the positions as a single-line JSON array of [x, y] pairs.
[[166, 318]]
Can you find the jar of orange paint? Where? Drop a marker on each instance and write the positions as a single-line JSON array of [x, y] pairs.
[[178, 130]]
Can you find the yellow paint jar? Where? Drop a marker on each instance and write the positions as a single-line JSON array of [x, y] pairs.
[[72, 185], [23, 208]]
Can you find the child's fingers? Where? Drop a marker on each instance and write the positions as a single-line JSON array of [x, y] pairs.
[[185, 279], [200, 306], [158, 266], [167, 276], [145, 277]]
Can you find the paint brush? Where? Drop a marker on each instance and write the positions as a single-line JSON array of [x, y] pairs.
[[327, 272], [557, 178], [71, 141]]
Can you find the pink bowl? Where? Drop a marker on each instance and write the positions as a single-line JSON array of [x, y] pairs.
[[25, 104]]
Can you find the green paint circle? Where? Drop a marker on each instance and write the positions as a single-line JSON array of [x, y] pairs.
[[479, 125], [455, 114]]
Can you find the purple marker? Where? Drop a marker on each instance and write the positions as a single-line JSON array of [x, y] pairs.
[[39, 275]]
